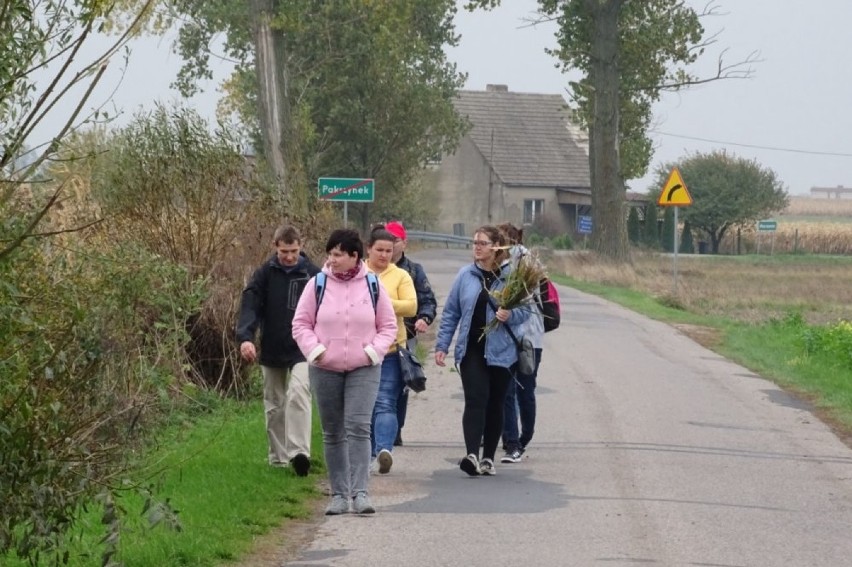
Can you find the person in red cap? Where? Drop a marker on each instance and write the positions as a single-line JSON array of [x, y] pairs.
[[427, 306]]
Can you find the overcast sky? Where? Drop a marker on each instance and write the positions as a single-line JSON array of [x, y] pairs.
[[800, 97], [798, 101]]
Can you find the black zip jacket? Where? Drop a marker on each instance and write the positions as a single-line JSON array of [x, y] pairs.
[[427, 305], [269, 302]]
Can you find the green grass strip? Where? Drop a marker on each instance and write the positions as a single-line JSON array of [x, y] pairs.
[[213, 471]]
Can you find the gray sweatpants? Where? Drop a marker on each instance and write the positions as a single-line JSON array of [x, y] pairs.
[[345, 402]]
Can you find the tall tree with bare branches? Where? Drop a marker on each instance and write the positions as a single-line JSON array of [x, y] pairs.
[[629, 52]]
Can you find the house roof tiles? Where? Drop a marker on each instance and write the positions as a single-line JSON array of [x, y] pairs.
[[533, 144]]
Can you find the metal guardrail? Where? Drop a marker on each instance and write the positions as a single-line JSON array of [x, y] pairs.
[[440, 238]]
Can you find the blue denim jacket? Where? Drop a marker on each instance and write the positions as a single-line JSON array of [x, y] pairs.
[[500, 349]]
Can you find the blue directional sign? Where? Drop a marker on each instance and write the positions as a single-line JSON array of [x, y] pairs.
[[584, 224]]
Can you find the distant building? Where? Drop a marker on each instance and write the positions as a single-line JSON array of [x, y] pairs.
[[839, 192], [523, 161]]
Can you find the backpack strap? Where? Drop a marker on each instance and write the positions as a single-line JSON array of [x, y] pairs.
[[372, 285], [319, 286]]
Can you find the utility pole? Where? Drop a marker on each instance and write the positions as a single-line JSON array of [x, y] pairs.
[[273, 102]]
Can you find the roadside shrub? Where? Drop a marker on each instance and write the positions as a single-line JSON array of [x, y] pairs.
[[832, 340], [562, 242], [545, 226], [687, 245], [92, 345], [180, 189], [633, 226], [650, 230], [667, 236], [187, 194], [535, 239]]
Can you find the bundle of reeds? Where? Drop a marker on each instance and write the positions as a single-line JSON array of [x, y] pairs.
[[521, 284]]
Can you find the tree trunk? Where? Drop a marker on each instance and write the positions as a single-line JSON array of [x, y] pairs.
[[715, 240], [273, 103], [610, 234]]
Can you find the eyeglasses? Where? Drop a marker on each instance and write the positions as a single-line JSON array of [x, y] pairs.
[[481, 243]]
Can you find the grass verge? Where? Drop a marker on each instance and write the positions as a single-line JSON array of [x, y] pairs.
[[217, 496]]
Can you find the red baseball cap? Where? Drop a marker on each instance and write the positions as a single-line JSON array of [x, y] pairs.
[[396, 228]]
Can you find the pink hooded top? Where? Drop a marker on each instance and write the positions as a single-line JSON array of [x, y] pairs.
[[345, 330]]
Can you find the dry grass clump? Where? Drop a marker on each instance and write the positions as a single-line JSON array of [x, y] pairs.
[[586, 266], [734, 287]]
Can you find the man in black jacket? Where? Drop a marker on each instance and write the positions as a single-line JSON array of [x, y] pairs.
[[427, 307], [268, 302]]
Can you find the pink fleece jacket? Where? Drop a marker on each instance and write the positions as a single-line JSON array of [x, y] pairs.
[[345, 333]]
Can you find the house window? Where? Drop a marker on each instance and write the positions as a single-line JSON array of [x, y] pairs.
[[533, 210]]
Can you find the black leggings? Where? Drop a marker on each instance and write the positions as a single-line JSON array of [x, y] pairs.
[[484, 395]]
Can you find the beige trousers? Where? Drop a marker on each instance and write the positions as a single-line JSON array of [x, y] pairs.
[[287, 402]]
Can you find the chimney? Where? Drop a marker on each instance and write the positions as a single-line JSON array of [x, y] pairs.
[[497, 88]]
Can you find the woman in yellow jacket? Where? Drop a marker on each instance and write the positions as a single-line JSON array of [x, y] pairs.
[[400, 287]]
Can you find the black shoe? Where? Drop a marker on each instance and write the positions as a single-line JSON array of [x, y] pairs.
[[512, 456], [301, 464], [470, 465], [398, 441]]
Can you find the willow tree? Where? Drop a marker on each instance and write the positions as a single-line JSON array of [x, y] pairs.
[[629, 52]]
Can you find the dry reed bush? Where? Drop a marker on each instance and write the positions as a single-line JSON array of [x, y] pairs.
[[182, 190], [587, 266]]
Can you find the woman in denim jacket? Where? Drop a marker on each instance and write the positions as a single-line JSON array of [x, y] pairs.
[[484, 363]]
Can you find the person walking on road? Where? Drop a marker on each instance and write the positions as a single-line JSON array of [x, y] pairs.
[[400, 289], [520, 397], [484, 362], [427, 308], [345, 328], [269, 303]]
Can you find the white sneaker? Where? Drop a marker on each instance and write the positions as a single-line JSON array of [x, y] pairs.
[[486, 467], [338, 505], [385, 459], [361, 504]]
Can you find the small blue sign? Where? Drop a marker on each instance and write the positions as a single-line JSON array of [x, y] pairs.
[[584, 224]]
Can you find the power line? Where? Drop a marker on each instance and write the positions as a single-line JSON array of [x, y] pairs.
[[773, 148]]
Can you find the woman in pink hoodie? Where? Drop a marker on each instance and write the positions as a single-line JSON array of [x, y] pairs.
[[344, 328]]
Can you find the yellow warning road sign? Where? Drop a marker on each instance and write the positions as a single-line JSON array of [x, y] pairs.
[[674, 192]]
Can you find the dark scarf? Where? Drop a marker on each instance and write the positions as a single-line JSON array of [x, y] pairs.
[[348, 274]]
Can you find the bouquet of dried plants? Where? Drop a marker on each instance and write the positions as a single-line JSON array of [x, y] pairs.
[[521, 285]]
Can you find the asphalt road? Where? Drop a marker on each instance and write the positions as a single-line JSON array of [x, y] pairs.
[[649, 450]]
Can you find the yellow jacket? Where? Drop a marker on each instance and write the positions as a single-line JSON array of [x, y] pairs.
[[400, 287]]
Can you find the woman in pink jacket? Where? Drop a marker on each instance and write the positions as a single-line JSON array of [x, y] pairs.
[[344, 328]]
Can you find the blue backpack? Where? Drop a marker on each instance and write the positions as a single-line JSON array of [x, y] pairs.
[[372, 284]]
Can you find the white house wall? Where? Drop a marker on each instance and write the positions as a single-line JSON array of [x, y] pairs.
[[461, 181]]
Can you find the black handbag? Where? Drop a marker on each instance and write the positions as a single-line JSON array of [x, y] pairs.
[[412, 371]]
